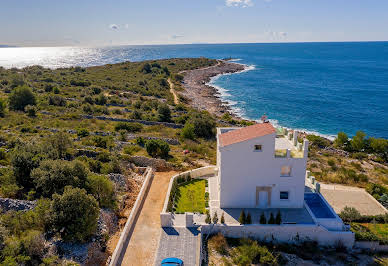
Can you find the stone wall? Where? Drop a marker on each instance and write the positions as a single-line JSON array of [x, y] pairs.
[[144, 122], [158, 164]]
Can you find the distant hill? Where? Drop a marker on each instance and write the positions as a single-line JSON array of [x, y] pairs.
[[6, 46]]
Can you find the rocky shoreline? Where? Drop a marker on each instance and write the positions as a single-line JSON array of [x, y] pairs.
[[204, 96]]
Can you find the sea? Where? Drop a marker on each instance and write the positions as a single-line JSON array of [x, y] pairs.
[[322, 88]]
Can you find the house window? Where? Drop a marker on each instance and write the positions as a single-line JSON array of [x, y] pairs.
[[284, 195], [285, 171], [258, 147]]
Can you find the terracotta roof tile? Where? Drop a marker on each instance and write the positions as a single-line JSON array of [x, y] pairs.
[[245, 133]]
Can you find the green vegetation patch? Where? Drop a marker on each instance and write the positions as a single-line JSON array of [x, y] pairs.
[[191, 197]]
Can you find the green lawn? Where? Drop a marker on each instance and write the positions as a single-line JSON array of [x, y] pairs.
[[191, 197]]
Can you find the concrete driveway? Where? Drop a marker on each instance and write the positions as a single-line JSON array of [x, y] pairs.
[[179, 242], [143, 243]]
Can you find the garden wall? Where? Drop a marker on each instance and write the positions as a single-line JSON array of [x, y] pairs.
[[130, 224], [166, 217]]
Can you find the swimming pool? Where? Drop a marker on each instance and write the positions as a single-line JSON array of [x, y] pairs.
[[318, 206]]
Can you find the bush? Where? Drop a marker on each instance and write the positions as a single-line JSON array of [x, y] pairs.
[[52, 176], [74, 214], [271, 219], [242, 218], [219, 243], [204, 125], [157, 148], [350, 214], [30, 110], [21, 97], [82, 132], [131, 149], [102, 189], [358, 141], [164, 113], [222, 219], [208, 219], [57, 146], [342, 140], [278, 218], [130, 127], [215, 218], [249, 252], [376, 190], [263, 220], [248, 219], [2, 107], [188, 131], [25, 158], [318, 141]]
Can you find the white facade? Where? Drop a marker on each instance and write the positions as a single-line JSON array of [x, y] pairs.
[[252, 178]]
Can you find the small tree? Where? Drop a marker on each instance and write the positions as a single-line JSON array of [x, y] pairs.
[[74, 214], [341, 140], [188, 131], [248, 219], [164, 113], [350, 214], [102, 189], [263, 220], [215, 218], [21, 97], [271, 219], [222, 218], [278, 218], [242, 217], [358, 141], [157, 148], [208, 219]]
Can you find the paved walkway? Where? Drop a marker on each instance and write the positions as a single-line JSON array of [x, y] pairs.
[[340, 196], [143, 244], [179, 242]]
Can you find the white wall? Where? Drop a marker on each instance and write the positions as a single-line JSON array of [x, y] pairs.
[[242, 169], [283, 233]]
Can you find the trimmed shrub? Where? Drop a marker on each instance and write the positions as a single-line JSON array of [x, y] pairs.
[[278, 218], [248, 219], [263, 220], [271, 219], [222, 219], [215, 218], [242, 218]]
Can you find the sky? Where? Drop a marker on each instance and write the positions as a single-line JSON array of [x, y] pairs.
[[127, 22]]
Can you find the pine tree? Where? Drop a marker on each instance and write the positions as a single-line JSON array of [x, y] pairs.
[[263, 220], [208, 219], [278, 219], [215, 218], [241, 219], [249, 219], [222, 218], [271, 219]]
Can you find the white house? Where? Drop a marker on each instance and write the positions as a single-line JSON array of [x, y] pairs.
[[258, 169]]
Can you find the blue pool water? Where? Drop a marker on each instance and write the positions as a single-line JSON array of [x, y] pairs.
[[317, 206], [320, 87]]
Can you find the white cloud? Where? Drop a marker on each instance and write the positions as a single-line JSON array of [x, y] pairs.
[[177, 36], [114, 26], [239, 3]]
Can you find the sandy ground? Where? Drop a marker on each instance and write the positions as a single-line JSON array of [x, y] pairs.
[[143, 244], [340, 196]]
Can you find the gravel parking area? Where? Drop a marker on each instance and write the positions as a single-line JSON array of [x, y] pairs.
[[341, 196]]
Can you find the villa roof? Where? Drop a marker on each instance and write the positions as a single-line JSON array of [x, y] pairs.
[[246, 133]]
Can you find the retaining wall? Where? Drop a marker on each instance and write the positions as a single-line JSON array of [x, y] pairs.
[[283, 233], [130, 224]]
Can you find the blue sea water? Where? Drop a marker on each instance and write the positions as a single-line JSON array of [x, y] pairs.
[[319, 87]]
